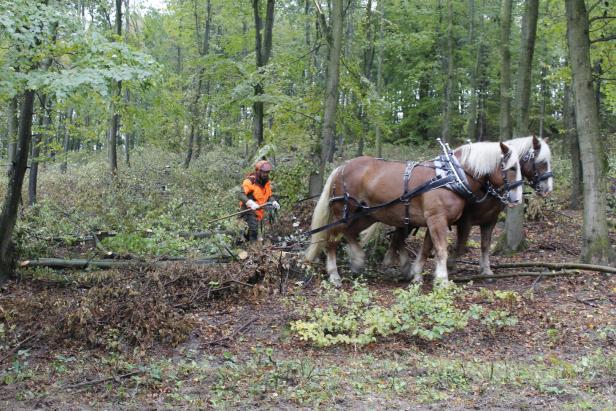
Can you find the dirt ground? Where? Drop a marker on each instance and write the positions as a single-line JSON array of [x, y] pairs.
[[242, 354]]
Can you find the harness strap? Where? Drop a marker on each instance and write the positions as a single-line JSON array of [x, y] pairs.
[[432, 184], [410, 166]]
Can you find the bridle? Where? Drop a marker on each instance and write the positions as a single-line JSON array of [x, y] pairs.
[[535, 182], [503, 193]]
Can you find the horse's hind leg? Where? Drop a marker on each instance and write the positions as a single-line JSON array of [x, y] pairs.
[[396, 253], [422, 256], [356, 253], [486, 239], [463, 230]]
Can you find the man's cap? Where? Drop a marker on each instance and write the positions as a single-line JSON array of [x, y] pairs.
[[263, 165]]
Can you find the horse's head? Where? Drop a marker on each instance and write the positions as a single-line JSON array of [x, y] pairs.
[[508, 176], [536, 167], [497, 166]]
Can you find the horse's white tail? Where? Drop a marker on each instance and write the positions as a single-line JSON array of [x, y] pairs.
[[321, 217], [371, 233]]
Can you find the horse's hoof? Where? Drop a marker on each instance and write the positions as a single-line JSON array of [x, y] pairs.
[[442, 282], [336, 281]]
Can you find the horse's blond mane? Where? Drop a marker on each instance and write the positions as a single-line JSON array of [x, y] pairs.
[[524, 144], [482, 158]]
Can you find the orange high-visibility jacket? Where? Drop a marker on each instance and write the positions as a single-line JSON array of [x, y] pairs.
[[256, 192]]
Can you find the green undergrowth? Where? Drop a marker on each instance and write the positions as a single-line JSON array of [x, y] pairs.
[[154, 207], [354, 317], [263, 375]]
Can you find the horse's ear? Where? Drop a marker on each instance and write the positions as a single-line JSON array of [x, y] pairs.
[[536, 143], [506, 153], [505, 149]]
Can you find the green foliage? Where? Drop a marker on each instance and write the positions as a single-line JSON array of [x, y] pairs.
[[152, 209], [354, 318], [291, 179]]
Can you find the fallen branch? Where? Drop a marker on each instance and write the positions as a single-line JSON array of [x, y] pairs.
[[60, 263], [94, 382], [521, 274], [559, 266]]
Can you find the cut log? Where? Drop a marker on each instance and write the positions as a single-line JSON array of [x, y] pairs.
[[60, 263], [519, 274], [559, 266]]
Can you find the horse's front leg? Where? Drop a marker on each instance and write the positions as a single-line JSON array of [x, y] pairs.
[[486, 240], [438, 231], [422, 256]]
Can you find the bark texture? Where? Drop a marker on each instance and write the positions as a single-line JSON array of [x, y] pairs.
[[595, 244]]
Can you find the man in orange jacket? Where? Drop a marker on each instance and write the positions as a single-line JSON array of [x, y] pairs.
[[256, 192]]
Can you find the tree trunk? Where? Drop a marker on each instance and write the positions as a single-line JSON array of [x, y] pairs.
[[66, 138], [574, 149], [331, 93], [514, 223], [505, 81], [471, 124], [12, 130], [114, 124], [379, 76], [263, 50], [527, 49], [596, 244], [448, 106], [8, 217], [37, 139], [194, 138]]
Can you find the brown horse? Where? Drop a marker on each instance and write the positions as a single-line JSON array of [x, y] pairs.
[[535, 157], [368, 183]]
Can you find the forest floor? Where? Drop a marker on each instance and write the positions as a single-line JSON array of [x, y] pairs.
[[241, 352]]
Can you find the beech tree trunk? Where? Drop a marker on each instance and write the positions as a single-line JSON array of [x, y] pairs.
[[527, 49], [263, 50], [448, 106], [194, 138], [114, 123], [37, 139], [331, 91], [574, 149], [514, 223], [596, 246], [8, 217], [505, 83], [12, 132]]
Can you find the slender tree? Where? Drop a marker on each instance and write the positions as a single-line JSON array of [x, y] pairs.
[[449, 82], [505, 80], [514, 223], [595, 244], [114, 123], [8, 217], [575, 201], [263, 51], [334, 41], [12, 131]]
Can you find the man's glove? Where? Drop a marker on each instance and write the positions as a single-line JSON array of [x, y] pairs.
[[252, 205], [276, 205]]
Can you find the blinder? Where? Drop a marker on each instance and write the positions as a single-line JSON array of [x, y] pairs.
[[535, 182]]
